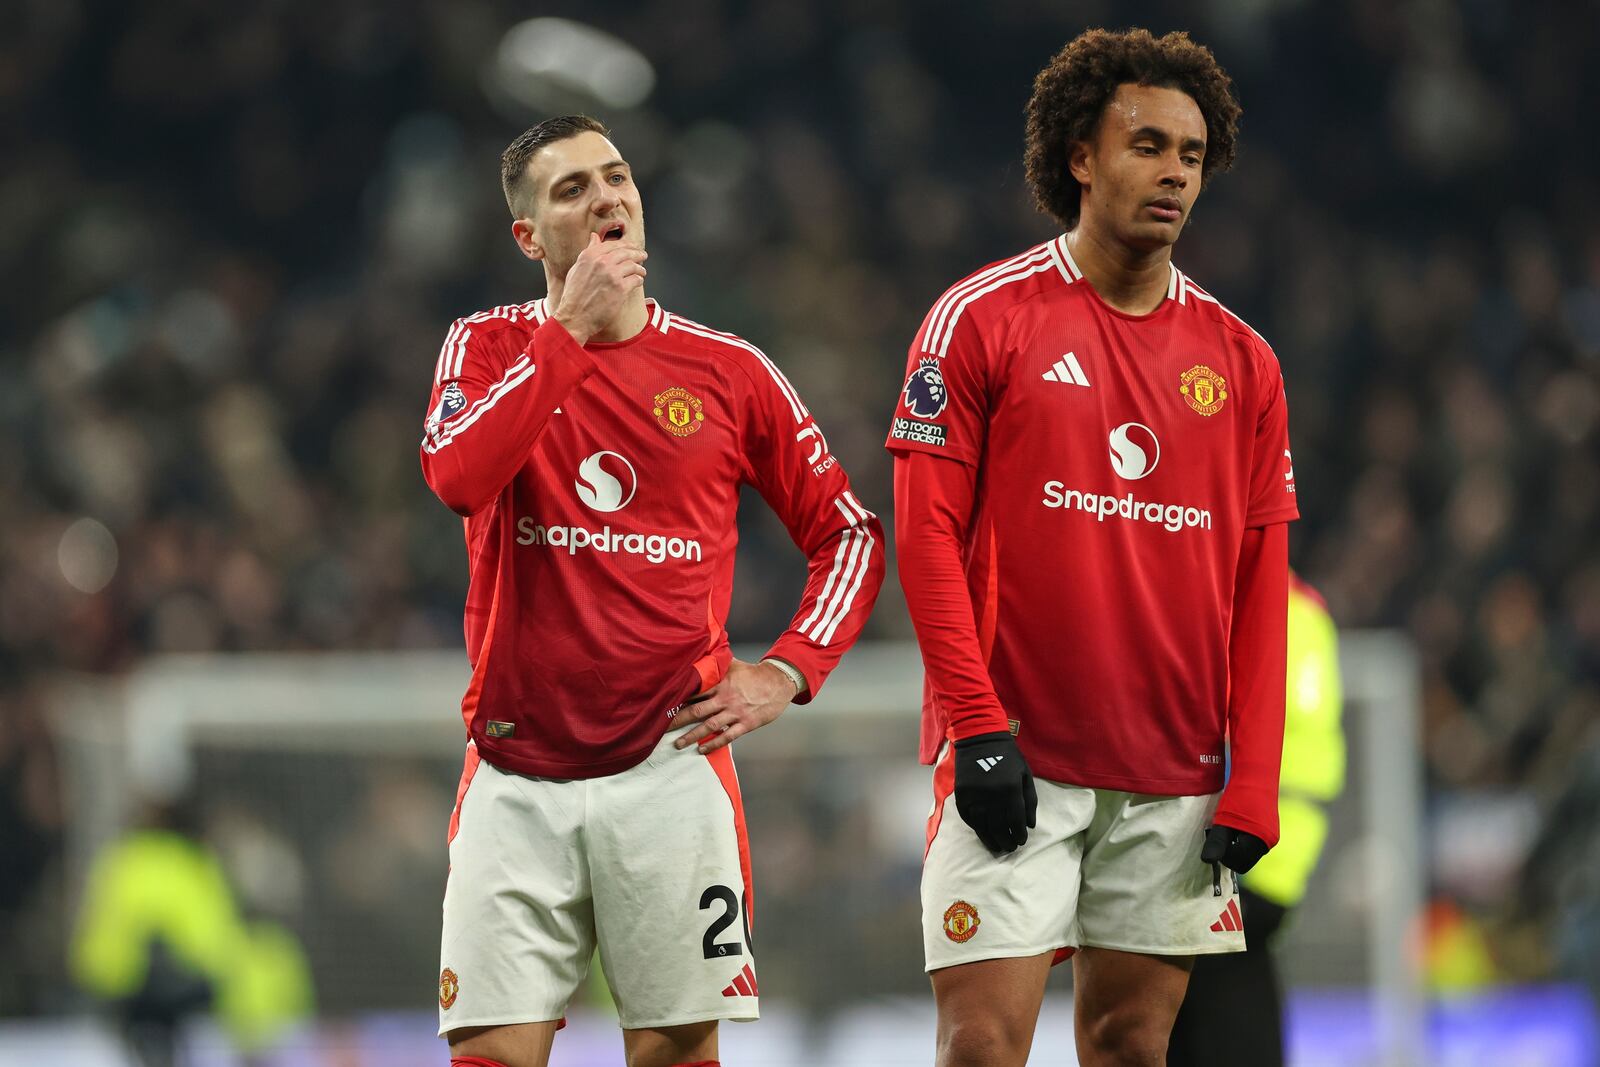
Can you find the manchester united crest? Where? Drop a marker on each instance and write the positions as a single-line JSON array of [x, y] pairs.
[[1204, 389], [449, 986], [678, 411], [960, 921]]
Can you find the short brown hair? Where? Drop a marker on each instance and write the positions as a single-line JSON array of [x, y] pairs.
[[514, 160], [1071, 93]]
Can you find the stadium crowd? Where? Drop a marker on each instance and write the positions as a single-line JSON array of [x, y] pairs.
[[234, 237]]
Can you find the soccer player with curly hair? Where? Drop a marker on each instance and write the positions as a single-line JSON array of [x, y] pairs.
[[1092, 490]]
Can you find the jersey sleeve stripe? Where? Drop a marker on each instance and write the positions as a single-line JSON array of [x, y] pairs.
[[850, 498], [838, 560], [853, 541], [458, 358], [941, 308], [943, 341], [729, 339], [453, 354], [446, 358], [1172, 280], [835, 600], [944, 305], [439, 437], [855, 587], [827, 587]]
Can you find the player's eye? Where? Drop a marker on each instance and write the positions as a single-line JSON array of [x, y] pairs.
[[570, 190], [618, 178], [1193, 161]]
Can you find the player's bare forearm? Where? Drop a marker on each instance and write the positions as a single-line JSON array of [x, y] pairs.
[[749, 696]]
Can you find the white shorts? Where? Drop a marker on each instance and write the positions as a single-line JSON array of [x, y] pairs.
[[1102, 869], [651, 863]]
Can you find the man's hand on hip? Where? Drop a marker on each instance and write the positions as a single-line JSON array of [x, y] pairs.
[[749, 696], [994, 790]]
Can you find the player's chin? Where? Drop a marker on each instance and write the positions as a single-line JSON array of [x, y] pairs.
[[1150, 235]]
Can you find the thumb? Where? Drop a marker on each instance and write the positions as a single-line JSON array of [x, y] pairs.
[[1216, 844], [594, 239]]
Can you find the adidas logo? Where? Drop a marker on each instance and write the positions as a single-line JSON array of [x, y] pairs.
[[988, 762], [743, 985], [1231, 921], [1067, 372]]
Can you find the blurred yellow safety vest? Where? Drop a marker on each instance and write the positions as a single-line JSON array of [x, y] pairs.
[[1313, 750], [158, 886]]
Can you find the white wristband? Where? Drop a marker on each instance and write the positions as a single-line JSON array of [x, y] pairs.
[[791, 672]]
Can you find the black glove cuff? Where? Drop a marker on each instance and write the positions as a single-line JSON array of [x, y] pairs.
[[983, 739]]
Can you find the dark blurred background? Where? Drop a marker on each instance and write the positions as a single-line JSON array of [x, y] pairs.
[[234, 235]]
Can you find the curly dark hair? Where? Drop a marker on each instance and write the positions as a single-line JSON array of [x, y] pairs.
[[514, 160], [1071, 93]]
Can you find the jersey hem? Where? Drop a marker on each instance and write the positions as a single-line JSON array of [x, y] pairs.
[[534, 767], [1167, 787]]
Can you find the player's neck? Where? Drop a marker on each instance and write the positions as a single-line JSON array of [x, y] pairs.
[[633, 317], [1131, 280]]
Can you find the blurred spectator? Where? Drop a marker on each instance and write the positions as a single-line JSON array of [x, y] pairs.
[[160, 939], [30, 843]]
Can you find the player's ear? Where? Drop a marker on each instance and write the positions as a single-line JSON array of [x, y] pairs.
[[527, 239], [1078, 161]]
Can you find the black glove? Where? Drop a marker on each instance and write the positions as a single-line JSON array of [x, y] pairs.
[[1234, 849], [994, 790]]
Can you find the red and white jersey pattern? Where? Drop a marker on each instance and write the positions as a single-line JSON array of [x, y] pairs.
[[599, 486], [1118, 461]]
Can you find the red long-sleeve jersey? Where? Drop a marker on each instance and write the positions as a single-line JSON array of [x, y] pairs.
[[599, 486], [1090, 527]]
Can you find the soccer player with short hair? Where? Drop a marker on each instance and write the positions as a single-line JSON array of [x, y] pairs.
[[1092, 486], [594, 444]]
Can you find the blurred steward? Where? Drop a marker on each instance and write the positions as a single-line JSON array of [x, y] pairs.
[[161, 939]]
